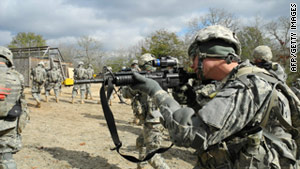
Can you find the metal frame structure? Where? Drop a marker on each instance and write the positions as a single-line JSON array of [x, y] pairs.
[[27, 58]]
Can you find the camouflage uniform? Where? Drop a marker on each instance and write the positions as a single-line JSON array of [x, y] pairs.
[[79, 74], [13, 110], [38, 76], [151, 137], [262, 58], [195, 95], [90, 73], [296, 87], [54, 79], [245, 125], [134, 96]]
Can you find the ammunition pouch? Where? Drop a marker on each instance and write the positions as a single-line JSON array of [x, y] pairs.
[[217, 157], [15, 111], [12, 114]]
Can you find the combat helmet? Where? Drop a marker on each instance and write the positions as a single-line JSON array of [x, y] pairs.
[[55, 66], [80, 63], [145, 58], [109, 68], [41, 63], [135, 62], [216, 32], [6, 53], [262, 52]]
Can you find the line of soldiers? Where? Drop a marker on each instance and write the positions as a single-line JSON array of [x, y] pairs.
[[52, 79], [49, 79], [235, 114], [80, 73]]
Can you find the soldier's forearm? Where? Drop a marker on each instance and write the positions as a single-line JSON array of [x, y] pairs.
[[163, 98]]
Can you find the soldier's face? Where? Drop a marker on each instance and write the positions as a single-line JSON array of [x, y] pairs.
[[194, 63]]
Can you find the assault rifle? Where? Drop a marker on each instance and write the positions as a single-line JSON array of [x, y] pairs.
[[165, 78]]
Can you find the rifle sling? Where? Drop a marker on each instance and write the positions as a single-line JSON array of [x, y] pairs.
[[114, 133]]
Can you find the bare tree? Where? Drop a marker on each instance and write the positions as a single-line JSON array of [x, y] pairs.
[[68, 51], [215, 16], [279, 31], [89, 49]]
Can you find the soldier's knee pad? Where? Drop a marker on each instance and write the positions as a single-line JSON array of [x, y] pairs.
[[7, 162], [140, 141]]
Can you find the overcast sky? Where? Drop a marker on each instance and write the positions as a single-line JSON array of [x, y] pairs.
[[119, 23]]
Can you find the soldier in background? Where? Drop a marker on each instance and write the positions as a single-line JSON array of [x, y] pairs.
[[13, 110], [135, 66], [296, 87], [90, 75], [128, 93], [54, 79], [79, 74], [38, 76], [107, 70], [262, 56], [151, 137]]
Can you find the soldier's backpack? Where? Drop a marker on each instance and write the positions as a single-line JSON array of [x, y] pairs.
[[80, 73], [38, 75], [54, 75], [10, 87], [294, 105], [90, 74]]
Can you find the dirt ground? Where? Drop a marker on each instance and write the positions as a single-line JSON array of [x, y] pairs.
[[64, 136]]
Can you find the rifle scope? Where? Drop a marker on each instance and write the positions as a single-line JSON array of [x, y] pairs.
[[165, 62]]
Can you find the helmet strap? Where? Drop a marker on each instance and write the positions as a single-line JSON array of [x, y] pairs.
[[200, 66]]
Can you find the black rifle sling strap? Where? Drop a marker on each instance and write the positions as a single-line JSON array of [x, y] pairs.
[[110, 88], [114, 133]]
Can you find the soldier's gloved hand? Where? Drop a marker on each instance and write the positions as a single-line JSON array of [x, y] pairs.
[[145, 85]]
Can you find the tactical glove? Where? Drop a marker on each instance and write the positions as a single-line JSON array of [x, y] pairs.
[[145, 85]]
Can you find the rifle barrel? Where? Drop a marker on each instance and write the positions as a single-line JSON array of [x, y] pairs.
[[88, 81]]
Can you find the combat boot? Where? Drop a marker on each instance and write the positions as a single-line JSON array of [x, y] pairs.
[[72, 101], [38, 104], [7, 162], [57, 100], [46, 99], [86, 96], [136, 121], [91, 98]]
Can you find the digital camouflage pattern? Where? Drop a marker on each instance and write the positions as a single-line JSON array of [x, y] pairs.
[[11, 126], [54, 79], [296, 87], [38, 76], [215, 32], [90, 72], [195, 95], [262, 58], [262, 52], [128, 93], [5, 52], [151, 137], [223, 130], [79, 74], [145, 58]]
